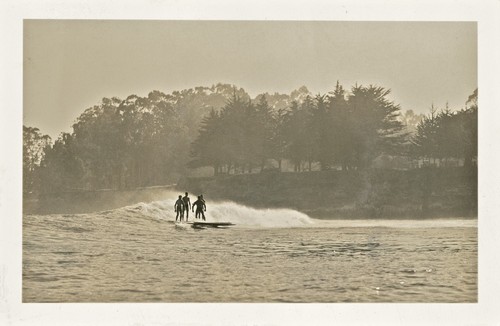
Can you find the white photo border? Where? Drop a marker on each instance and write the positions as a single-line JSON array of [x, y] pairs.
[[13, 312]]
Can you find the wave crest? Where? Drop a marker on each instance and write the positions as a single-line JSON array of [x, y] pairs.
[[228, 212]]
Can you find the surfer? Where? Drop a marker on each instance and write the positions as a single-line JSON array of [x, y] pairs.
[[200, 207], [179, 209], [187, 205]]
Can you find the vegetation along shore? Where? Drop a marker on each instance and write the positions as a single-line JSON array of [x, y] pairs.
[[345, 154]]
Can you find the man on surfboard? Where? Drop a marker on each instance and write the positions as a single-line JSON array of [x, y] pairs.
[[200, 208], [187, 205], [179, 209]]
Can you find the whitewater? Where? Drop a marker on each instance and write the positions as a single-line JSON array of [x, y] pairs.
[[137, 254]]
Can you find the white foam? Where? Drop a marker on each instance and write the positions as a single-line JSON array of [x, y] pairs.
[[229, 212], [279, 218], [246, 216]]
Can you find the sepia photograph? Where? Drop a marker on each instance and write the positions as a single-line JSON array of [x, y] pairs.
[[249, 164], [246, 161]]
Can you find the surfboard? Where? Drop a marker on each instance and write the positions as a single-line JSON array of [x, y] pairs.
[[211, 224], [181, 225]]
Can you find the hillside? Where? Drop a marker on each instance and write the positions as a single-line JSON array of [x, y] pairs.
[[420, 193]]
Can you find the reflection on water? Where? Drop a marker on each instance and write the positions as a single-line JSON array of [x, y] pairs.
[[135, 255]]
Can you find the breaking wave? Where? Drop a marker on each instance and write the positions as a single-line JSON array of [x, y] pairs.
[[226, 212]]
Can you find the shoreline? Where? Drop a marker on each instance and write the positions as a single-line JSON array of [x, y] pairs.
[[328, 195], [371, 194]]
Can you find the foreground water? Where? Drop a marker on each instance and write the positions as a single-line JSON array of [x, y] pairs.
[[135, 254]]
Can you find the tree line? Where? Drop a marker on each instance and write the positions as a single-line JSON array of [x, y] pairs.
[[339, 130], [153, 140], [342, 129], [116, 145], [446, 136]]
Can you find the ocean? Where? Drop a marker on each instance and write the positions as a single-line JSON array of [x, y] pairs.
[[137, 254]]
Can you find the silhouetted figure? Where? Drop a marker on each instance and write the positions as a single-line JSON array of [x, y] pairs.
[[179, 209], [200, 207], [187, 205]]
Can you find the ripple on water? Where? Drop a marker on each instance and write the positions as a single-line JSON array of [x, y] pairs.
[[268, 265], [65, 252]]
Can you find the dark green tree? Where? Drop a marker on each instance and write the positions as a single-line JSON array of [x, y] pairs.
[[229, 139], [341, 126], [207, 149], [34, 146], [299, 140], [322, 132], [376, 127], [266, 129], [424, 141], [448, 135], [61, 168]]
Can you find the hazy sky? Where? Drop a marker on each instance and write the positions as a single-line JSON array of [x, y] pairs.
[[70, 65]]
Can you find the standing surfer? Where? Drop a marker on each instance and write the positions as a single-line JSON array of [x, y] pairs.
[[200, 207], [187, 205], [179, 209]]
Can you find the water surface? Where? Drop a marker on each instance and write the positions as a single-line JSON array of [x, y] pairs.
[[136, 254]]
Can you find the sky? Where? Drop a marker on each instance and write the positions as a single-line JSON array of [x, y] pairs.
[[70, 65]]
